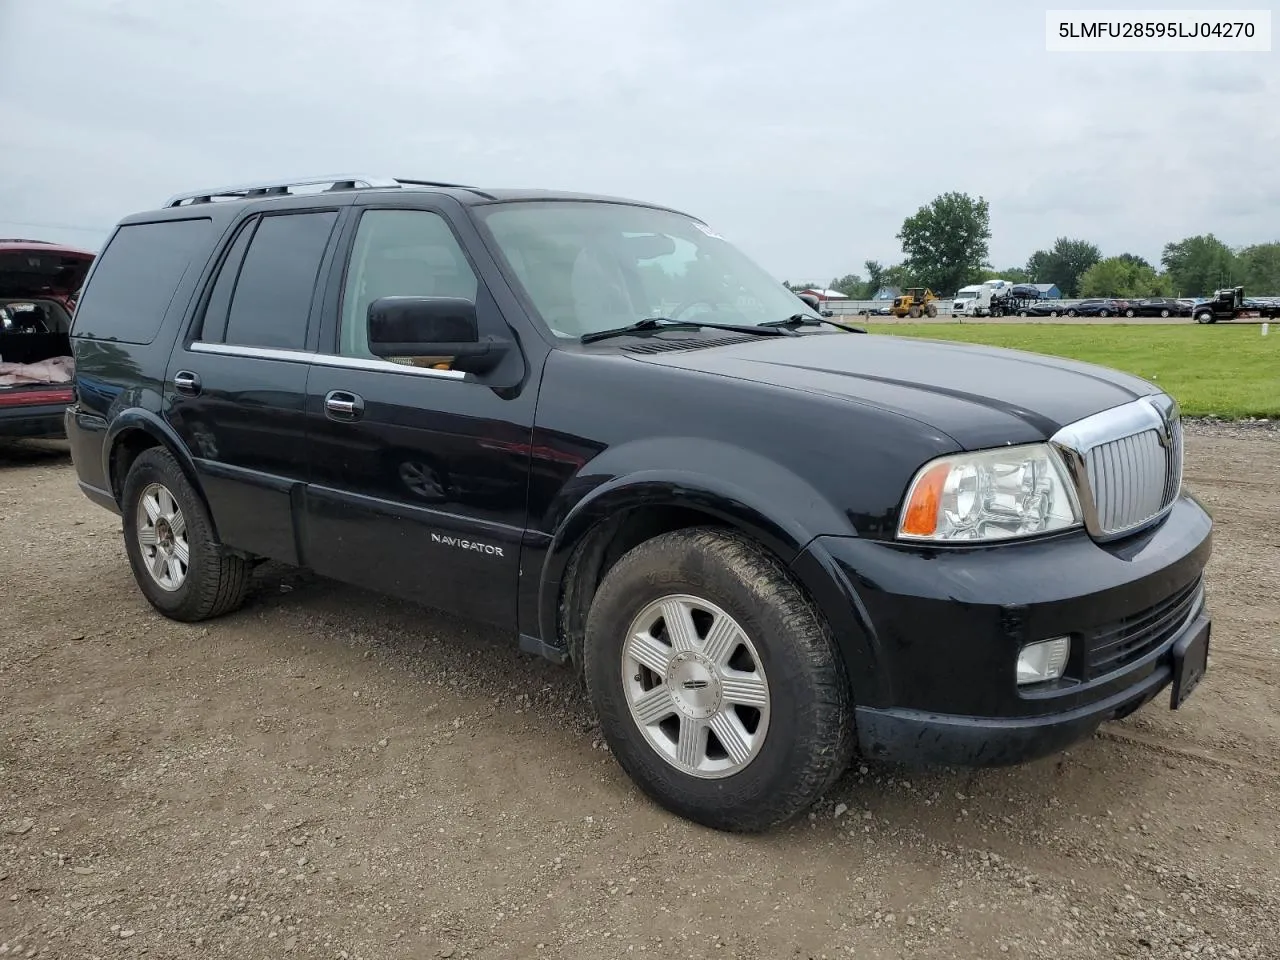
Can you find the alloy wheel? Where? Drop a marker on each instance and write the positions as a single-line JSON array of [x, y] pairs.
[[162, 535], [695, 686]]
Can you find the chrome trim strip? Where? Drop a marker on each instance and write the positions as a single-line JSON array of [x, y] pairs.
[[323, 360], [1075, 441]]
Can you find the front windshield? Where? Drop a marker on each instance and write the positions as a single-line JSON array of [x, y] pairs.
[[591, 266]]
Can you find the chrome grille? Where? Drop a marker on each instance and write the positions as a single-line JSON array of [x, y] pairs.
[[1126, 464]]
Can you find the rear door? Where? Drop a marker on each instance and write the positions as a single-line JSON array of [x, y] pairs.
[[236, 386], [419, 476]]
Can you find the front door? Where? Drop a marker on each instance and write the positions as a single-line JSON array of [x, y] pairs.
[[236, 389], [418, 476]]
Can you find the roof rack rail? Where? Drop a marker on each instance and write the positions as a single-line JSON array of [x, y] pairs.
[[283, 188], [432, 183]]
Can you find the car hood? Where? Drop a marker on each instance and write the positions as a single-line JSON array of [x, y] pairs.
[[980, 396], [42, 270]]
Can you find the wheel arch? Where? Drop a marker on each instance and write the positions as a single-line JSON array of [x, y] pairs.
[[629, 511], [130, 434]]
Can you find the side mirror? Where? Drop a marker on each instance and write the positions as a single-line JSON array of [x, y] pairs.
[[811, 301], [444, 327]]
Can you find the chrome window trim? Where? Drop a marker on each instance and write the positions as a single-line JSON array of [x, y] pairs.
[[324, 360], [1158, 412]]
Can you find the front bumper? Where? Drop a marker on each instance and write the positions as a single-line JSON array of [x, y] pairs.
[[36, 422], [916, 736], [941, 631]]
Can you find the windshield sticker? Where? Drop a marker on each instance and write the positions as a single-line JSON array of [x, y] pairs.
[[707, 230]]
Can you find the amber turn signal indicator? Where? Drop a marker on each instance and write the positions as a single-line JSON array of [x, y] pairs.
[[921, 512]]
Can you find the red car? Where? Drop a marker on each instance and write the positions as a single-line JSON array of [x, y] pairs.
[[38, 285]]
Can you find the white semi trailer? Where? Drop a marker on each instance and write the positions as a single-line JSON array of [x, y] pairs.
[[975, 300]]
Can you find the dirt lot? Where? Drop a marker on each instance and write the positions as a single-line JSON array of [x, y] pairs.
[[328, 774]]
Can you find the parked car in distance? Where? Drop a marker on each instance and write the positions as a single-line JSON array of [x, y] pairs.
[[1102, 307], [1156, 307], [764, 541], [38, 285], [1044, 308]]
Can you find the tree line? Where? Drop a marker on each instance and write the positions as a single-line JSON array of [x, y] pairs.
[[946, 248]]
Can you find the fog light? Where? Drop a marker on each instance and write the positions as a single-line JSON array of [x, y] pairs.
[[1043, 661]]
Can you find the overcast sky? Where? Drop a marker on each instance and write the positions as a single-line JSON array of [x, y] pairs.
[[803, 131]]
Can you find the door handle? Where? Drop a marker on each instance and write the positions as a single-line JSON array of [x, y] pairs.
[[184, 381], [341, 405]]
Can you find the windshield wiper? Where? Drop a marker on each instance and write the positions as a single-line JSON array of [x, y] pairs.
[[804, 320], [662, 323]]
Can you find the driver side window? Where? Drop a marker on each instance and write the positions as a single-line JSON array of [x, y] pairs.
[[399, 253]]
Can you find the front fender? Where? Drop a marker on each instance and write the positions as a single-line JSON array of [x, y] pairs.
[[758, 496]]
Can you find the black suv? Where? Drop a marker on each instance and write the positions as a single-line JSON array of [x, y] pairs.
[[764, 539]]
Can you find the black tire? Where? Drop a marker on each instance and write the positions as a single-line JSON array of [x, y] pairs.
[[1130, 314], [215, 582], [1164, 314], [1071, 313], [1205, 317], [809, 739], [1103, 313]]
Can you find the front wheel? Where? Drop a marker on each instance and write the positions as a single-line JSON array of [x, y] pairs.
[[168, 535], [716, 683], [1204, 317], [1164, 314]]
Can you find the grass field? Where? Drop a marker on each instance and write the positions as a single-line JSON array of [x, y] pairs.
[[1223, 371]]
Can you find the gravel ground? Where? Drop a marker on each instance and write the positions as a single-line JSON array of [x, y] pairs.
[[330, 774]]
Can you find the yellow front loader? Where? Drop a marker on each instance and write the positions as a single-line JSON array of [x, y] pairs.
[[915, 303]]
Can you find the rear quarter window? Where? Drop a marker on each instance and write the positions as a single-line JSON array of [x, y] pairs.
[[135, 278]]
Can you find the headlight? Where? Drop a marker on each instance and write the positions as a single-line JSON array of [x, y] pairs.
[[989, 495]]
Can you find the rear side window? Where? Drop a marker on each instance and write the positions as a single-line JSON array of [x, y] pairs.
[[214, 325], [268, 293], [135, 279]]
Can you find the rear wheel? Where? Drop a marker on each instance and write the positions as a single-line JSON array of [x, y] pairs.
[[914, 313], [180, 568], [716, 683], [931, 309], [1071, 313], [1103, 313]]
